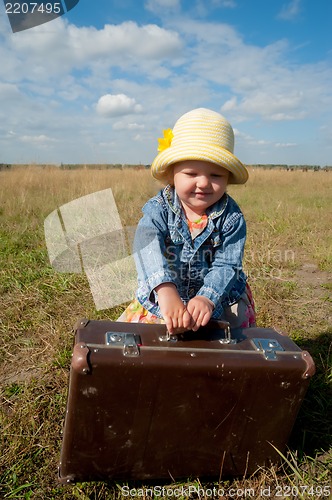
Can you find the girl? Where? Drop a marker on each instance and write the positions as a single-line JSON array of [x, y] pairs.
[[189, 243]]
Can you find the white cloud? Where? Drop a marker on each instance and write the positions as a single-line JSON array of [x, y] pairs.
[[203, 8], [229, 105], [276, 106], [290, 10], [117, 105], [286, 145], [157, 6], [248, 139], [228, 4], [128, 126], [9, 91], [40, 141], [59, 47]]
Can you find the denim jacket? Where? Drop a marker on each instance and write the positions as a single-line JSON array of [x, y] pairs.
[[210, 265]]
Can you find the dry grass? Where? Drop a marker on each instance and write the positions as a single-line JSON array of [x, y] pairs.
[[288, 260]]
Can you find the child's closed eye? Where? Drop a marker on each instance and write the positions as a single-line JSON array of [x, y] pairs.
[[219, 174]]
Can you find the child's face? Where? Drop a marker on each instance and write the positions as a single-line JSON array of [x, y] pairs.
[[199, 184]]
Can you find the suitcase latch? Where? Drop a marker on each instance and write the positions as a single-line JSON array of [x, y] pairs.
[[129, 341], [268, 347], [228, 337]]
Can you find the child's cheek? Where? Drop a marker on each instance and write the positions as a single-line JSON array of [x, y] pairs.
[[170, 177]]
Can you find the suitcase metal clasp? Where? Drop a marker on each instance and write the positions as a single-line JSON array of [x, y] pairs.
[[268, 347], [128, 341], [228, 337], [168, 337]]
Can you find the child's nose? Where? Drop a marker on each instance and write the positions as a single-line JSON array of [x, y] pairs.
[[203, 181]]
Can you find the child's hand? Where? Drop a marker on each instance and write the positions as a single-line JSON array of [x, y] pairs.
[[200, 309], [172, 308]]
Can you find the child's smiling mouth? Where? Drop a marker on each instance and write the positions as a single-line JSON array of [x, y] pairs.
[[201, 194]]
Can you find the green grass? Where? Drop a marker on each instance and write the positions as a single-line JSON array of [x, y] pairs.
[[288, 228]]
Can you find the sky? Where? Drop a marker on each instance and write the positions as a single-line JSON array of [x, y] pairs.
[[100, 83]]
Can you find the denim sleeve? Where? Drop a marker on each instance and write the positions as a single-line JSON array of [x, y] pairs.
[[225, 273], [149, 254]]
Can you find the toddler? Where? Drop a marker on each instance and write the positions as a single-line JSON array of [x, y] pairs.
[[190, 241]]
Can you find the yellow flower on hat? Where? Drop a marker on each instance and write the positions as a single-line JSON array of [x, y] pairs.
[[165, 141]]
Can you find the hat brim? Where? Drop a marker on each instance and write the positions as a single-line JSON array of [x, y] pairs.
[[219, 156]]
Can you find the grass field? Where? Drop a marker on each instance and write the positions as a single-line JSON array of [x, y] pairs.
[[289, 263]]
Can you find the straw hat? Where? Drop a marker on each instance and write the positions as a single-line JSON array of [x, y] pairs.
[[200, 134]]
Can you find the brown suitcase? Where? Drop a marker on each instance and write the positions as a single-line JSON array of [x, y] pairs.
[[207, 404]]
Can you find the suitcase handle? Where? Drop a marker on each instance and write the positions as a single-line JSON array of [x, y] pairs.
[[222, 325]]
